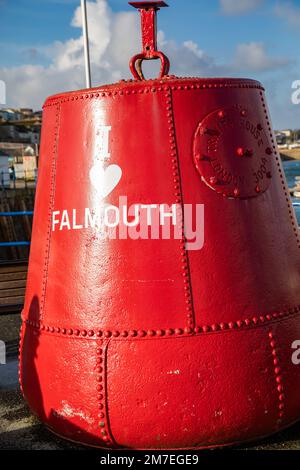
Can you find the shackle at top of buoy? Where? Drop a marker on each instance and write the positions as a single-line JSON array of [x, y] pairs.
[[148, 12]]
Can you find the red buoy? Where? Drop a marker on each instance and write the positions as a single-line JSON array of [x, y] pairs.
[[163, 296]]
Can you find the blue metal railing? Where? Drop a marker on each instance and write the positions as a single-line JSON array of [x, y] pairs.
[[14, 244], [15, 214]]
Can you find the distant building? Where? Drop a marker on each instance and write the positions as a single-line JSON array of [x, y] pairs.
[[26, 111], [287, 136], [13, 133], [280, 138], [8, 114], [4, 169], [19, 141], [297, 135], [20, 125], [4, 153], [24, 158], [25, 115]]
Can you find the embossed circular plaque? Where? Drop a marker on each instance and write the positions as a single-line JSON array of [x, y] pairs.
[[232, 153]]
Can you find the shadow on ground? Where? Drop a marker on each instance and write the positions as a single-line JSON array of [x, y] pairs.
[[19, 429]]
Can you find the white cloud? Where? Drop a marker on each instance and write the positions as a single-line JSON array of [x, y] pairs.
[[114, 39], [253, 57], [239, 7], [288, 12]]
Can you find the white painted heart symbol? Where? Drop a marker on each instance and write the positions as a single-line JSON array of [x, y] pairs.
[[105, 180]]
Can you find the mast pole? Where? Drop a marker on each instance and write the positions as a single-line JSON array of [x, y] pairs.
[[86, 44]]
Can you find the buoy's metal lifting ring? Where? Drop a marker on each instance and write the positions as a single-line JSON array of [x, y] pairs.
[[137, 60], [148, 12]]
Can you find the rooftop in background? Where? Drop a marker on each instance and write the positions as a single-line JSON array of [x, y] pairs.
[[21, 125], [20, 116], [17, 149]]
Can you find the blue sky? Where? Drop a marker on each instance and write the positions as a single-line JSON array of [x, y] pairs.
[[41, 48]]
